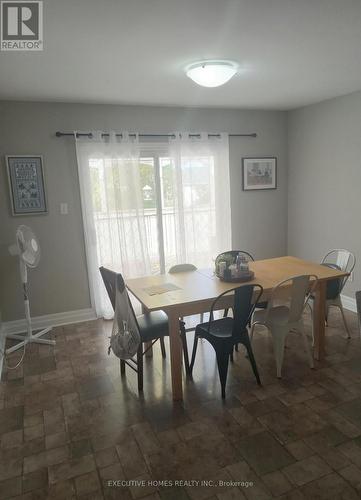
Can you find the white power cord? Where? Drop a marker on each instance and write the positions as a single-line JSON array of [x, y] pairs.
[[8, 367]]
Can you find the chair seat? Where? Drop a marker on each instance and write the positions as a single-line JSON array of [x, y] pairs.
[[220, 328], [332, 291], [329, 300], [277, 315], [262, 305], [153, 325]]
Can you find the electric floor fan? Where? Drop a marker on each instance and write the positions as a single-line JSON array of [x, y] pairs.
[[27, 248]]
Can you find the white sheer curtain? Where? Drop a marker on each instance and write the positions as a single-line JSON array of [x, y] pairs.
[[113, 213], [147, 207], [201, 197]]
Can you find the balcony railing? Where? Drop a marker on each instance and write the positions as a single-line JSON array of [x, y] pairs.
[[129, 240]]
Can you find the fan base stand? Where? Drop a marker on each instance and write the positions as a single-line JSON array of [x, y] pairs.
[[33, 338]]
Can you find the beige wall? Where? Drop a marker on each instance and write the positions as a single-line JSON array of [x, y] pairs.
[[324, 202], [60, 283]]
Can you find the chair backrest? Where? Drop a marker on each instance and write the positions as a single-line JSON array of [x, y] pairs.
[[110, 279], [298, 290], [244, 303], [343, 259], [230, 257], [182, 268], [112, 282]]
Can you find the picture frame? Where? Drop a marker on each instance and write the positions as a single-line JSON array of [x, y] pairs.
[[26, 184], [259, 173]]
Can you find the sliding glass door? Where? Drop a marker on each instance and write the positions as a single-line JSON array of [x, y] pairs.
[[178, 222], [147, 207]]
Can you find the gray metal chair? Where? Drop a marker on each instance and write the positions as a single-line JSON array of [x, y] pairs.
[[345, 261]]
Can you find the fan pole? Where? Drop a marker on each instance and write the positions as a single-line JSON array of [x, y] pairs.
[[29, 333]]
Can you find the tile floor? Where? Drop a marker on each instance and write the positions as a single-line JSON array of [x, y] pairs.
[[70, 427]]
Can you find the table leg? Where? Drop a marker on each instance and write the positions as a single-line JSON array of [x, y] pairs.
[[175, 355], [319, 315], [149, 353]]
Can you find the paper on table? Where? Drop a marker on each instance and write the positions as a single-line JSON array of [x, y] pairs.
[[158, 290]]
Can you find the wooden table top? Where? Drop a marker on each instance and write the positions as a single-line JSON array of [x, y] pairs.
[[202, 285]]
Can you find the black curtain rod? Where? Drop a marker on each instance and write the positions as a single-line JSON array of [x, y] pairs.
[[90, 135]]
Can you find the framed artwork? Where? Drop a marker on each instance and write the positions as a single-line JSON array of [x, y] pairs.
[[26, 183], [259, 173]]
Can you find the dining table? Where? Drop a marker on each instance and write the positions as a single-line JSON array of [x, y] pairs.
[[193, 292]]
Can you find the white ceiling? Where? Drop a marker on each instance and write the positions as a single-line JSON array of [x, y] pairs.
[[293, 52]]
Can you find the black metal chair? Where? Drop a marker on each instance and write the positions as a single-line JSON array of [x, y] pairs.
[[224, 333], [152, 326], [230, 257]]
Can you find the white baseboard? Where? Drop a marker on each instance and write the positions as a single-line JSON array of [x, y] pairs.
[[57, 319], [349, 303]]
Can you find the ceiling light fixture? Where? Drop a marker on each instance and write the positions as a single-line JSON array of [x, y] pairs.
[[211, 73]]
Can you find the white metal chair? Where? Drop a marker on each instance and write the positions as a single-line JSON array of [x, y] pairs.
[[292, 295], [345, 261]]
